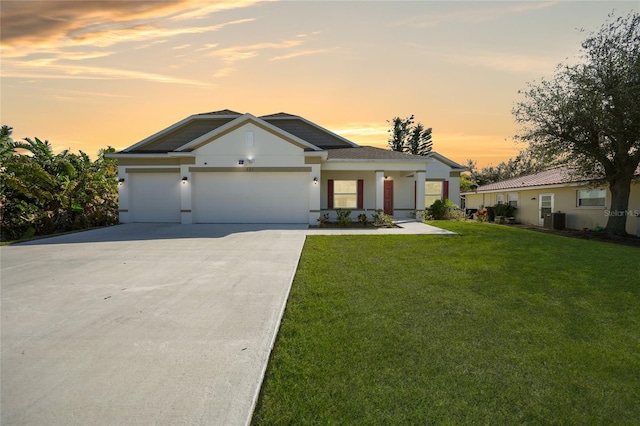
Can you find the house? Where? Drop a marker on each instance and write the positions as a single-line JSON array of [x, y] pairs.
[[228, 167], [583, 202]]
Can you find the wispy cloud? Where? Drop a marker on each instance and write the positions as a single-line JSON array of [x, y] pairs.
[[300, 53], [231, 55], [182, 46], [365, 129], [41, 70], [49, 37]]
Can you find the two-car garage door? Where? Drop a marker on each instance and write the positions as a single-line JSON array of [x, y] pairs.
[[232, 197], [221, 197]]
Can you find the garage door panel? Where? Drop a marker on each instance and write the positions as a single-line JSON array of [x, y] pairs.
[[251, 197], [155, 197]]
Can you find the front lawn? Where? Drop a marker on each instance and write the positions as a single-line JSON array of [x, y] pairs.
[[496, 326]]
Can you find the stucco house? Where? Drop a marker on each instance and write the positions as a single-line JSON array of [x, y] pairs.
[[228, 167], [583, 202]]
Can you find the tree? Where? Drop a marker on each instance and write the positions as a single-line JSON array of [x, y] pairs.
[[42, 192], [588, 114], [406, 136], [523, 164]]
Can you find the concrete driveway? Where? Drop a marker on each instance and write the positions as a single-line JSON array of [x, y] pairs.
[[142, 323]]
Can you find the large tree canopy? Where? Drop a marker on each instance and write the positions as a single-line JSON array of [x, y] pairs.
[[588, 114], [406, 136]]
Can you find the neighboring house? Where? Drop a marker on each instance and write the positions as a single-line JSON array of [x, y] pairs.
[[227, 167], [584, 204]]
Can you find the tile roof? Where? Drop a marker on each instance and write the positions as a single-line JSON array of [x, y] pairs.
[[369, 153], [555, 176]]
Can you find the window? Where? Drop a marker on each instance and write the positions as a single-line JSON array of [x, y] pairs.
[[499, 198], [512, 199], [345, 194], [591, 198], [432, 192]]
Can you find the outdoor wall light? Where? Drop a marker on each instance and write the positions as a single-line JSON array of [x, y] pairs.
[[533, 198], [184, 180], [315, 180], [121, 181]]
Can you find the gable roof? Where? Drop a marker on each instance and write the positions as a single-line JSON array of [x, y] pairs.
[[441, 158], [181, 134], [240, 121]]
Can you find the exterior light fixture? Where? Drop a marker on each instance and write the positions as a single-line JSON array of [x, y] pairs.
[[240, 162], [533, 198], [184, 180], [315, 180], [121, 181]]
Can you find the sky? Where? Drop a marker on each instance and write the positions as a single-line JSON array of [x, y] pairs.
[[85, 75]]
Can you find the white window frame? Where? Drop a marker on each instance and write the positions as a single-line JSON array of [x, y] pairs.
[[355, 194], [431, 195], [499, 198], [604, 198], [511, 197]]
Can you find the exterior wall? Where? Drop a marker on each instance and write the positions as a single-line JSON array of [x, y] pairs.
[[403, 192], [256, 146], [440, 171], [565, 201]]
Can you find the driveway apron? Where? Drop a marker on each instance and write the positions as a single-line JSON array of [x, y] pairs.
[[142, 323]]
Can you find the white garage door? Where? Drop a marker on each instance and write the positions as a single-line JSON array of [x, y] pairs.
[[155, 197], [262, 197]]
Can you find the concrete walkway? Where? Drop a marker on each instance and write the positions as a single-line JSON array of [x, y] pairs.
[[147, 323], [406, 227]]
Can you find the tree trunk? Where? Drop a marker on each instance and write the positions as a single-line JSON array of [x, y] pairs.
[[620, 188]]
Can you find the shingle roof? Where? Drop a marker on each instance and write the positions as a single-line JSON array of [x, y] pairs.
[[554, 176], [221, 112], [279, 115], [369, 153], [182, 135], [305, 130]]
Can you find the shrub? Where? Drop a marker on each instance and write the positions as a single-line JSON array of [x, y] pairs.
[[382, 220], [503, 209], [445, 210], [323, 220], [363, 219], [344, 217]]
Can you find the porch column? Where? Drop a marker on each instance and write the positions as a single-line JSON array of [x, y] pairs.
[[314, 194], [420, 177], [186, 188], [380, 190]]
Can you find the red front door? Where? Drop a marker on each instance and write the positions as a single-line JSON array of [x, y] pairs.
[[388, 197]]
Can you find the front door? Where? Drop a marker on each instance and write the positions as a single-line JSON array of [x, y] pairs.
[[545, 206], [388, 197]]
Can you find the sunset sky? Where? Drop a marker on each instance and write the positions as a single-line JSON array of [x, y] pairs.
[[88, 74]]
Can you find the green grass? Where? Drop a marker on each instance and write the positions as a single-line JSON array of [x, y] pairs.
[[496, 326]]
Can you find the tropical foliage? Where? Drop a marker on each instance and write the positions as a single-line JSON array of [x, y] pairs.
[[43, 193], [406, 136]]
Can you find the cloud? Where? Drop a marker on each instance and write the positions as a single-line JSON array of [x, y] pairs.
[[43, 22], [230, 55], [503, 61], [300, 53], [365, 129], [48, 70]]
